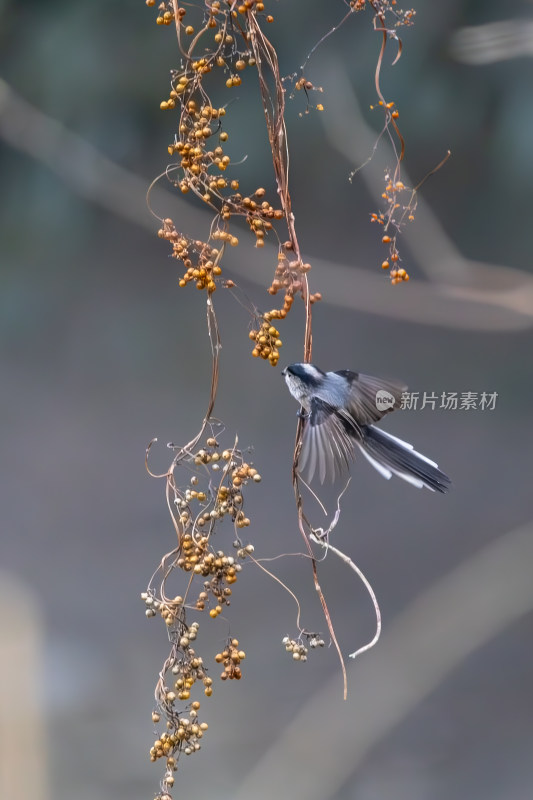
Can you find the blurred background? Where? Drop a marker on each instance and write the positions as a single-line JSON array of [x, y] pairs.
[[101, 352]]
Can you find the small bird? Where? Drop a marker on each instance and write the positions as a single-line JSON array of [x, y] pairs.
[[339, 409]]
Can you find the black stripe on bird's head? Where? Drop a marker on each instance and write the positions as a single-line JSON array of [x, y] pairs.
[[309, 374]]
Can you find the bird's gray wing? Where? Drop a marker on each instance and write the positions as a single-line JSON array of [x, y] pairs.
[[328, 444], [371, 398]]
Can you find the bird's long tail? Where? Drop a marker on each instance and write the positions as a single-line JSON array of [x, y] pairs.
[[390, 455]]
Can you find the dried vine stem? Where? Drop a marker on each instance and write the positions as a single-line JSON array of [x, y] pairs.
[[324, 543], [235, 41], [274, 108], [186, 450]]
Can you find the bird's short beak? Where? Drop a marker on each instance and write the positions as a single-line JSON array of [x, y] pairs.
[[284, 371]]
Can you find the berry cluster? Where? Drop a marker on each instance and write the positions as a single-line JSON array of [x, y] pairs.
[[199, 258], [224, 571], [386, 8], [199, 511], [217, 36], [200, 162], [231, 657], [267, 341], [288, 276], [266, 336], [298, 648], [393, 219], [185, 737], [226, 500], [220, 568], [183, 729]]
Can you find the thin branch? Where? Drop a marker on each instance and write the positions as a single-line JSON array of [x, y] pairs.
[[368, 586]]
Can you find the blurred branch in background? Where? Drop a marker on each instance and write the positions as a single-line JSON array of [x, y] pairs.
[[23, 741], [456, 278], [492, 42], [474, 296], [459, 614], [84, 169]]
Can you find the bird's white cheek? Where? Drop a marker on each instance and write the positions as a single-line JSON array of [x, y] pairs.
[[295, 388], [302, 397]]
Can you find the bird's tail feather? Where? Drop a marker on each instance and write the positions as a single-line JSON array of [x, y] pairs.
[[390, 455]]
